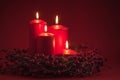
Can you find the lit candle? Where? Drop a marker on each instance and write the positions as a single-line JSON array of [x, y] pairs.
[[45, 42], [36, 28], [61, 35], [68, 51], [38, 25]]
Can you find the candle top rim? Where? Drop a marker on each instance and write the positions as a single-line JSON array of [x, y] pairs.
[[58, 27], [37, 21], [46, 34]]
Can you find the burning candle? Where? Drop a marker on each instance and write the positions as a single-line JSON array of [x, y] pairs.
[[45, 42], [68, 51], [38, 25], [61, 35], [36, 28]]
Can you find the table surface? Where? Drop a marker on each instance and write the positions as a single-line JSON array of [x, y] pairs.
[[110, 72]]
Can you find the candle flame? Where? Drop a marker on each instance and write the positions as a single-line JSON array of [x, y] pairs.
[[45, 28], [56, 20], [67, 45], [37, 15]]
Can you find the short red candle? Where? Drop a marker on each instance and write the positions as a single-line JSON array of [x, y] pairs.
[[68, 51], [36, 28], [61, 35], [45, 43]]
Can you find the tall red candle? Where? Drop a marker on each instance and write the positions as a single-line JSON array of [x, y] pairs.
[[61, 35], [36, 28], [45, 43]]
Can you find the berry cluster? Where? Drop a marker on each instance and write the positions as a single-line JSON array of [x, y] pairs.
[[20, 62]]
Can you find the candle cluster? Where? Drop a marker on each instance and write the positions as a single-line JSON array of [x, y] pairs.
[[48, 41]]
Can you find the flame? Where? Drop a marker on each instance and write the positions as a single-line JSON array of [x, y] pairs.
[[67, 45], [37, 15], [56, 19], [45, 28]]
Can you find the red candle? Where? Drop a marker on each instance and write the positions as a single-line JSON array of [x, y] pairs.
[[61, 35], [36, 28], [68, 51], [45, 43]]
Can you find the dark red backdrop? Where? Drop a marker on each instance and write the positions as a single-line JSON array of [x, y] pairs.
[[93, 22]]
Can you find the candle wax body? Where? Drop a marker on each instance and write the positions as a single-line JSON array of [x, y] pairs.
[[36, 28], [45, 43], [61, 35]]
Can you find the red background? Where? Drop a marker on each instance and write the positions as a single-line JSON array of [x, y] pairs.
[[93, 22]]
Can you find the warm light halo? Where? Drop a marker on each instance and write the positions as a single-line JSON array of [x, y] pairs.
[[37, 15]]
